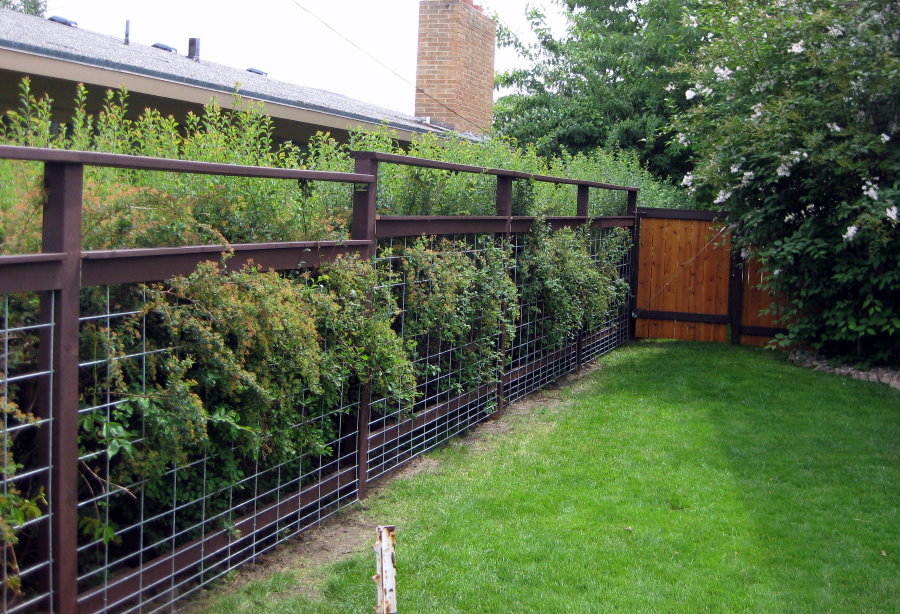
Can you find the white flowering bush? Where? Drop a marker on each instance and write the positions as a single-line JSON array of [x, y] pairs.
[[795, 136]]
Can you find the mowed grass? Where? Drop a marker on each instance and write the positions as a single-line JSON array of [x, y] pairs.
[[675, 478]]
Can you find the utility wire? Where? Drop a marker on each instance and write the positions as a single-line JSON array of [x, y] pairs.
[[379, 62]]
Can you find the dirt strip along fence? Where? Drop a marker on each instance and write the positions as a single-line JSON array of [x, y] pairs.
[[690, 286], [159, 556]]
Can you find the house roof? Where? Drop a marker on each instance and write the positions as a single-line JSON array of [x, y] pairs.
[[36, 39]]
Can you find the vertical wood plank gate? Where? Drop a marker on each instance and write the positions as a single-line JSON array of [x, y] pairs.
[[690, 286]]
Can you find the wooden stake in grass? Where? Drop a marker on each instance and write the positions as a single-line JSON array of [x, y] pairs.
[[385, 575]]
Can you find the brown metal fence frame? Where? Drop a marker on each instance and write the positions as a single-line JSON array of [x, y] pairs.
[[62, 269]]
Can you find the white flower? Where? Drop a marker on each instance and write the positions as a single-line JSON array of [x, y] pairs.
[[706, 91], [722, 197], [885, 138], [851, 232], [891, 213], [784, 170], [745, 253], [747, 178], [762, 86], [722, 72], [797, 48], [834, 127], [790, 217], [690, 94], [692, 21], [735, 168], [757, 111], [670, 87], [688, 180], [682, 140], [776, 272], [870, 188], [835, 31], [733, 19]]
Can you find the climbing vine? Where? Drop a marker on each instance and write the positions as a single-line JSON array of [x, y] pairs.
[[562, 280], [461, 306]]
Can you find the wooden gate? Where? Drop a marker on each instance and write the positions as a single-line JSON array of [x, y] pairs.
[[689, 286]]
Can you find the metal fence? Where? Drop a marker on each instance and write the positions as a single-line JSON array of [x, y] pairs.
[[92, 542]]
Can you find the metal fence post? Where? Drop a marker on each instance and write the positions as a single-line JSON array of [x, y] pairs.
[[631, 206], [736, 298], [362, 441], [503, 209], [582, 208], [385, 571], [62, 234], [504, 196], [634, 256], [365, 195], [363, 227]]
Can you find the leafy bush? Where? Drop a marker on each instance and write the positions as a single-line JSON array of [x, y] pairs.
[[128, 208], [418, 191], [242, 368], [461, 306], [796, 138], [561, 279]]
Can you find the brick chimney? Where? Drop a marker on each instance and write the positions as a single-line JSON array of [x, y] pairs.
[[455, 68]]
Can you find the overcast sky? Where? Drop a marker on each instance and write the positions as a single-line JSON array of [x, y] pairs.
[[287, 39]]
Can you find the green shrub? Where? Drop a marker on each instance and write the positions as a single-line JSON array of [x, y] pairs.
[[461, 306], [561, 280], [258, 368], [127, 208], [796, 138]]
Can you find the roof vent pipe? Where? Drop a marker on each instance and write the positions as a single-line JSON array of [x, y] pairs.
[[63, 21], [194, 49], [127, 31]]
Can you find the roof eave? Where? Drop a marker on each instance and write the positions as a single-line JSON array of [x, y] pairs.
[[19, 57]]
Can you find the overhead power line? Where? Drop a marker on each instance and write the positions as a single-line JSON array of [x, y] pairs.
[[379, 62]]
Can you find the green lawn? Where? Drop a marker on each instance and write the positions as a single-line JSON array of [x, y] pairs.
[[678, 477]]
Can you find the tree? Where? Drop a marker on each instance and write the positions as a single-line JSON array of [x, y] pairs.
[[795, 131], [29, 7], [604, 84]]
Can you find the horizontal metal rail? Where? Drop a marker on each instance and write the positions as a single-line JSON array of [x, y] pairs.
[[483, 170], [414, 225], [141, 265], [93, 158], [680, 214]]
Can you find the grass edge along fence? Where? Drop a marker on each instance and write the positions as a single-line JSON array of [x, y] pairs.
[[370, 436]]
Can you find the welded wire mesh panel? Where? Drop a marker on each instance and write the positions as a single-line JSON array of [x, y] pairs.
[[612, 248], [456, 374], [155, 528], [26, 339], [533, 359]]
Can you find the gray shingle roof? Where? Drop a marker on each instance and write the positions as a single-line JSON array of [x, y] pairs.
[[42, 37]]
